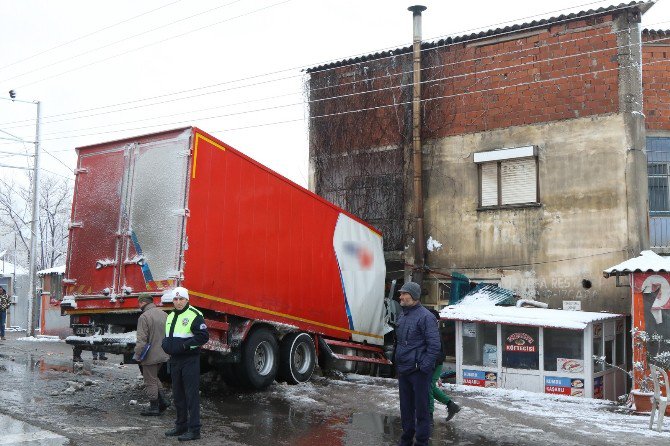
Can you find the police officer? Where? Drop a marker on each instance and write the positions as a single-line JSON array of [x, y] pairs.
[[185, 332]]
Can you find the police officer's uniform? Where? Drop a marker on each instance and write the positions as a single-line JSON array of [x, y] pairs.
[[185, 332]]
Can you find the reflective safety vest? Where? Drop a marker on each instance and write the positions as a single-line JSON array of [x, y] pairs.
[[182, 329]]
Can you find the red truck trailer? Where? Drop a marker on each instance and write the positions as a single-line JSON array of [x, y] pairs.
[[283, 276]]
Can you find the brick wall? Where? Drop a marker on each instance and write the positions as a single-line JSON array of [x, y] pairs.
[[656, 79], [562, 71]]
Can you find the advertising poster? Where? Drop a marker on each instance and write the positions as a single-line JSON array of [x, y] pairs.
[[469, 329], [479, 378], [558, 385], [570, 365]]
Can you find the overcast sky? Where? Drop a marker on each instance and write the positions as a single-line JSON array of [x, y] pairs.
[[104, 70]]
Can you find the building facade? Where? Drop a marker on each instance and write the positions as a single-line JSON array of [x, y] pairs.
[[534, 140]]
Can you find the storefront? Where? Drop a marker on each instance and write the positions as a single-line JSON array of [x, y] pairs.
[[539, 350]]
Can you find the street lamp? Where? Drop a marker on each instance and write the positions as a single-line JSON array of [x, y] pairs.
[[32, 308]]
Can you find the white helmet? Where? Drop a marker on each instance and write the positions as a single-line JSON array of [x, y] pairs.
[[180, 291]]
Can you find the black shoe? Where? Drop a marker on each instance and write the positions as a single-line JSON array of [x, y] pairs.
[[102, 358], [190, 435], [163, 402], [176, 431], [452, 409], [152, 411]]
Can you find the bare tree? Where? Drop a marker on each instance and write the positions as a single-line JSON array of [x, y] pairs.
[[55, 202]]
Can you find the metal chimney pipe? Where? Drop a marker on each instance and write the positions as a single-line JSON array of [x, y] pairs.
[[417, 158]]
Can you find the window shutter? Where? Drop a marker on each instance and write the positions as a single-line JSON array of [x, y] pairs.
[[489, 184], [519, 181]]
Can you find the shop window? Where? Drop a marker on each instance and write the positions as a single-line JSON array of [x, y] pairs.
[[609, 353], [620, 346], [480, 344], [563, 350], [508, 177], [598, 366], [520, 347]]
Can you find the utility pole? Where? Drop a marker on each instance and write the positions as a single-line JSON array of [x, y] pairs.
[[32, 307], [32, 304], [417, 156]]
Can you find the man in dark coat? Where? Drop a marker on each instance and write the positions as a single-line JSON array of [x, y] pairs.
[[417, 349], [150, 354], [185, 332]]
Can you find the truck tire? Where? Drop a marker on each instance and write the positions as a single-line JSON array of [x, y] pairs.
[[297, 358], [260, 360]]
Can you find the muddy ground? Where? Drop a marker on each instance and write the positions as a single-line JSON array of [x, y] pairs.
[[353, 410]]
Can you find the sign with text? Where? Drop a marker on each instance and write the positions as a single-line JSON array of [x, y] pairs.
[[558, 385], [520, 342], [479, 378], [572, 305]]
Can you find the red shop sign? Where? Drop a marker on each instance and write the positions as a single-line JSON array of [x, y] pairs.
[[520, 342]]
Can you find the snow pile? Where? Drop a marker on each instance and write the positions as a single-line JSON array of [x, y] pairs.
[[111, 338], [432, 244], [40, 338]]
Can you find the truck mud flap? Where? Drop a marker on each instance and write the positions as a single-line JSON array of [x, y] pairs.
[[345, 356]]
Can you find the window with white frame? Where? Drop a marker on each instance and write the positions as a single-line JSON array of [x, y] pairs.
[[508, 177]]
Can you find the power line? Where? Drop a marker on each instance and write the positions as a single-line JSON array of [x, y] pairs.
[[86, 35], [383, 89], [554, 79], [308, 102], [432, 67], [349, 57], [116, 42], [154, 43]]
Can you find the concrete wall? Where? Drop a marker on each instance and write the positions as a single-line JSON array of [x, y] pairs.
[[582, 226]]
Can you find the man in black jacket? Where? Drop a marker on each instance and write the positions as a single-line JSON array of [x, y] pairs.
[[185, 332]]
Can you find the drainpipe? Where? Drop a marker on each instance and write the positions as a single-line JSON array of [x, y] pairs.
[[417, 158]]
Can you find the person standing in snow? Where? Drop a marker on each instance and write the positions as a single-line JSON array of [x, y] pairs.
[[435, 392], [5, 302], [417, 349], [150, 354], [185, 332]]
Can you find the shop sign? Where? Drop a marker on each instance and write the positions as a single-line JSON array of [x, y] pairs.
[[570, 365], [558, 385], [572, 305], [520, 342], [469, 329], [598, 388], [479, 378]]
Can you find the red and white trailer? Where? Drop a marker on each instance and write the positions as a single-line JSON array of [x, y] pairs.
[[282, 275]]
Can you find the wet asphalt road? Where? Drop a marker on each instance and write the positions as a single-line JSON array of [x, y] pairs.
[[324, 412]]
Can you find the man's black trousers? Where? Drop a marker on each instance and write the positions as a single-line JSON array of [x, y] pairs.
[[414, 389], [186, 391]]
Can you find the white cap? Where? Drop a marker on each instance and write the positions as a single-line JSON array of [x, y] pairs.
[[180, 291]]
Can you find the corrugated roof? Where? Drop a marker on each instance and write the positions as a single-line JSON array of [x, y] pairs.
[[54, 270], [646, 262], [530, 317], [642, 6]]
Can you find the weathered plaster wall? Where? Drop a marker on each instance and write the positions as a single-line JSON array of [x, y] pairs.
[[582, 226]]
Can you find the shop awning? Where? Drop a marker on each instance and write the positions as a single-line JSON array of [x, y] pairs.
[[646, 262]]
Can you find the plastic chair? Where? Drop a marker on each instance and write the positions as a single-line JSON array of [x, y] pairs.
[[658, 402]]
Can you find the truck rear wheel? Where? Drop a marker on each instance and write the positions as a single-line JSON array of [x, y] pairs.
[[297, 358], [260, 359]]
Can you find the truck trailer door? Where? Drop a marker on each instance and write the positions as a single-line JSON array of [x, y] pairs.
[[156, 211], [93, 246]]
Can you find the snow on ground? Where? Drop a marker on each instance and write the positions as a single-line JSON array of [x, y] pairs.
[[40, 338], [515, 412], [583, 415]]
